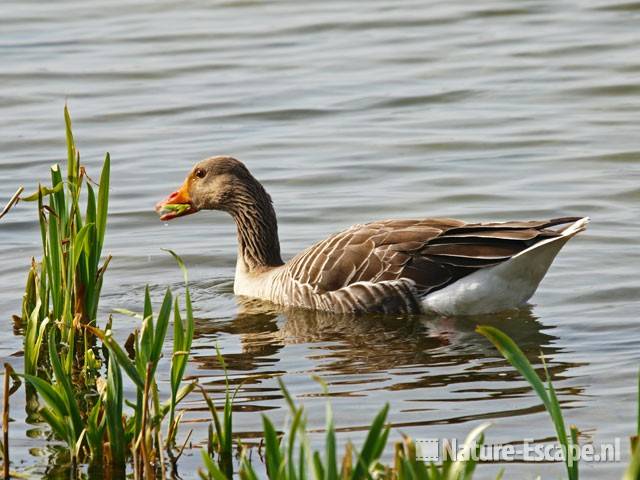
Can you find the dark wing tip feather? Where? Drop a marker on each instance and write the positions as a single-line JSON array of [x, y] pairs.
[[561, 221]]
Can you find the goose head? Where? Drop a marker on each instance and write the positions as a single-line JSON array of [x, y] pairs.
[[217, 183]]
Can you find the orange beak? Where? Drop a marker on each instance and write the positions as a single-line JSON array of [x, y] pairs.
[[177, 204]]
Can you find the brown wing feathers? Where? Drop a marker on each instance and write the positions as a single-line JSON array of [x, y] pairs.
[[431, 253]]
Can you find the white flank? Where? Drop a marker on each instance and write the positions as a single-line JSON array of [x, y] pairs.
[[504, 286]]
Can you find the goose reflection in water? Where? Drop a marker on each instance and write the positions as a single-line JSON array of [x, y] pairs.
[[419, 351]]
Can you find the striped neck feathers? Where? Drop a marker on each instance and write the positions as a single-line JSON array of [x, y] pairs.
[[255, 218]]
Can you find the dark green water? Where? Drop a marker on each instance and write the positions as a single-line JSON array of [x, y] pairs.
[[348, 112]]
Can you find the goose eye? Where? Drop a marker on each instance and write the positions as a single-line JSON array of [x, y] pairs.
[[200, 173]]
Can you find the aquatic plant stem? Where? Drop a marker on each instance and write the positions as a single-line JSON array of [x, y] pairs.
[[12, 201], [143, 431], [5, 423], [158, 433]]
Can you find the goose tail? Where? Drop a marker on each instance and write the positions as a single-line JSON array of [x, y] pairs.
[[576, 227], [509, 284]]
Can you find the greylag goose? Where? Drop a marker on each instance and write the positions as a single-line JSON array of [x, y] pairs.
[[436, 265]]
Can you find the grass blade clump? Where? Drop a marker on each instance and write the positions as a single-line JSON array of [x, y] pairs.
[[290, 456], [518, 360], [113, 406], [220, 442], [182, 339], [142, 430], [107, 436], [64, 286], [61, 410]]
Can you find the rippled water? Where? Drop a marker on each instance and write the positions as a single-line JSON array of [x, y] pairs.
[[350, 111]]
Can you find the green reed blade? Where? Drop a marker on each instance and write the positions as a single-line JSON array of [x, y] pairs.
[[37, 345], [247, 472], [227, 411], [294, 431], [90, 214], [33, 340], [272, 448], [95, 431], [162, 322], [94, 299], [214, 414], [224, 429], [75, 215], [42, 220], [103, 202], [380, 444], [190, 328], [70, 354], [42, 192], [145, 339], [371, 445], [182, 336], [181, 264], [212, 469], [114, 403], [145, 344], [302, 456], [68, 309], [178, 329], [129, 313], [287, 396], [80, 243], [418, 468], [181, 395], [573, 435], [148, 309], [58, 200], [406, 471], [331, 471], [180, 357], [178, 365], [558, 421], [31, 311], [633, 469], [120, 355], [71, 153], [57, 424], [318, 467], [63, 379], [55, 267], [92, 255], [464, 465], [512, 353], [49, 394], [44, 290], [91, 217]]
